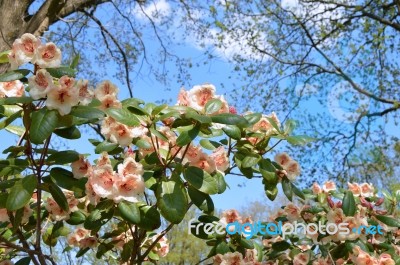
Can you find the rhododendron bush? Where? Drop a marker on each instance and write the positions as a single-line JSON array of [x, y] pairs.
[[153, 163]]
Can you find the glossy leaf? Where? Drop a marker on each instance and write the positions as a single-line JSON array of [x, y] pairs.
[[172, 200], [44, 122], [21, 193], [201, 180]]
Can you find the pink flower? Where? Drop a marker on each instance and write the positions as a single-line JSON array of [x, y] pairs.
[[329, 186], [86, 93], [162, 247], [40, 83], [130, 167], [80, 167], [322, 261], [47, 56], [183, 98], [354, 188], [200, 95], [91, 195], [4, 216], [230, 216], [316, 189], [386, 259], [128, 188], [301, 259], [235, 258], [12, 89], [293, 170], [102, 182], [109, 101], [204, 162], [105, 88], [292, 212], [6, 262], [362, 257], [220, 158], [282, 159], [23, 50], [88, 242], [264, 125], [291, 167], [367, 190], [62, 99]]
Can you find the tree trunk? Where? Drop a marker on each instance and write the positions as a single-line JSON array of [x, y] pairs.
[[12, 24]]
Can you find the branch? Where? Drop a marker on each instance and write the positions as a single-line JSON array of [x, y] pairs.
[[122, 52], [52, 10]]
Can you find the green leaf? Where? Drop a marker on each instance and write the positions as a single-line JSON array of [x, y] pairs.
[[250, 160], [158, 134], [253, 118], [201, 200], [208, 144], [129, 212], [18, 130], [105, 147], [349, 204], [201, 180], [61, 71], [271, 193], [14, 75], [232, 131], [63, 157], [172, 200], [87, 112], [388, 220], [59, 196], [198, 117], [44, 122], [280, 246], [24, 261], [21, 193], [15, 100], [287, 188], [230, 119], [141, 143], [187, 136], [123, 116], [76, 218], [247, 244], [149, 217], [213, 106], [75, 62], [7, 121], [71, 133], [221, 183], [65, 179], [273, 123], [4, 56], [98, 218], [299, 139], [298, 192]]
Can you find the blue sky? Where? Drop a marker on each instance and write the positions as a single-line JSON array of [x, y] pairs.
[[241, 190]]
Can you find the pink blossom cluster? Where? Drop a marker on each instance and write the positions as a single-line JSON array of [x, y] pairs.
[[367, 207], [29, 48], [103, 182], [81, 238], [199, 95], [162, 246], [291, 168], [56, 212], [25, 216]]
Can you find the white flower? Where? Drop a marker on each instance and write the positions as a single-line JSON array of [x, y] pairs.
[[47, 55], [62, 99], [39, 84], [23, 50], [86, 93], [12, 89], [105, 88]]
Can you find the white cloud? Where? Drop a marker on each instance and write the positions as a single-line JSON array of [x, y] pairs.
[[156, 10]]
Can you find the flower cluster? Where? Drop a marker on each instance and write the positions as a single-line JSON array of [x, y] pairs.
[[103, 182], [328, 205], [230, 258], [81, 238], [291, 168], [29, 48], [56, 212]]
